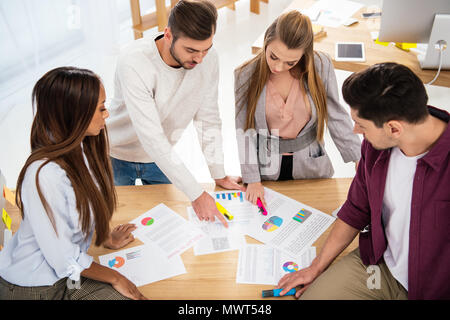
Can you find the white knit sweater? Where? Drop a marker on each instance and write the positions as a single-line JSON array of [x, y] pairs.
[[154, 103]]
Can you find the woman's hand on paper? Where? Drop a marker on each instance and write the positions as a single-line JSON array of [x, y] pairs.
[[254, 191], [120, 236]]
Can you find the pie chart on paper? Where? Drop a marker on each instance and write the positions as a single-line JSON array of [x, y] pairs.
[[290, 266], [117, 262], [147, 221], [272, 224]]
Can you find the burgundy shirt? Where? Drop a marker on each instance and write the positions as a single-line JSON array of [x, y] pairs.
[[429, 233]]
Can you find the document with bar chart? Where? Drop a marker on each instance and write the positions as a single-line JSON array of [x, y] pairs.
[[290, 226], [234, 202], [218, 237]]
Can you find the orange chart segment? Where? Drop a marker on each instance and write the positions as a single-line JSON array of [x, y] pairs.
[[117, 262]]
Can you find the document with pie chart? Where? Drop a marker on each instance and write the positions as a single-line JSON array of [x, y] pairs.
[[290, 226], [167, 229], [261, 264], [143, 264]]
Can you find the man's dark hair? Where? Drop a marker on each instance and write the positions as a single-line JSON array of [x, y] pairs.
[[386, 91], [195, 19]]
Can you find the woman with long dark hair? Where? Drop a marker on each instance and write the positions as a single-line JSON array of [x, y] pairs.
[[65, 192], [285, 97]]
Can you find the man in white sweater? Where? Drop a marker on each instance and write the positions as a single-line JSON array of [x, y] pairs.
[[162, 84]]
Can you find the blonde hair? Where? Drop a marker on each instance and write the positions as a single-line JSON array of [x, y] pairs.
[[295, 31]]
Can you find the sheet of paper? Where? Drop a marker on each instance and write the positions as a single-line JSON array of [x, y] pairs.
[[235, 203], [336, 211], [290, 226], [261, 264], [167, 229], [218, 238], [143, 264], [331, 13]]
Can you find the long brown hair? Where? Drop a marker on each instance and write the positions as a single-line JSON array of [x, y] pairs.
[[295, 31], [65, 100]]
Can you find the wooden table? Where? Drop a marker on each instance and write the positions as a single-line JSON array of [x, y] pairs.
[[375, 53], [213, 276]]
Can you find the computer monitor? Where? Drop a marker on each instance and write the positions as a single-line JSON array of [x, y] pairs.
[[419, 21]]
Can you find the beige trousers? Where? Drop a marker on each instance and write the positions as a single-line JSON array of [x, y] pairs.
[[350, 279]]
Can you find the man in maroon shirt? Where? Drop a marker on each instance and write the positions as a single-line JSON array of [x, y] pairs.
[[398, 202]]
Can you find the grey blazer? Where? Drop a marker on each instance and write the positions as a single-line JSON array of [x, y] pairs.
[[261, 159]]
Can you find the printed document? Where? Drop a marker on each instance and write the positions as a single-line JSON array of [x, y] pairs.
[[218, 238], [261, 264], [290, 226], [143, 264], [167, 229]]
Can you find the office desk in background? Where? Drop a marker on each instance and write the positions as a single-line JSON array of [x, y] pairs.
[[375, 53], [212, 276]]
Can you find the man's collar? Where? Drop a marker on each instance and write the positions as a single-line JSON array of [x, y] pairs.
[[439, 152]]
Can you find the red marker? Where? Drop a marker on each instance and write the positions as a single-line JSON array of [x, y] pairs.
[[262, 210]]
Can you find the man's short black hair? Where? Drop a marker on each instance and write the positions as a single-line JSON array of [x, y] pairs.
[[195, 19], [386, 91]]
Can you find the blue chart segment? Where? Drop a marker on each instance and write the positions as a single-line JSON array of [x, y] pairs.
[[290, 266], [272, 224], [116, 262], [230, 196], [302, 215]]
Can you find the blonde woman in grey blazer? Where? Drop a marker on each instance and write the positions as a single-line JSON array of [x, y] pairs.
[[287, 56]]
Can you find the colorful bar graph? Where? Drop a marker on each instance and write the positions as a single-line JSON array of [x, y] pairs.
[[230, 196], [302, 215]]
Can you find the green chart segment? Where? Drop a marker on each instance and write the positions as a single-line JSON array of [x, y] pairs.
[[302, 215], [147, 221]]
